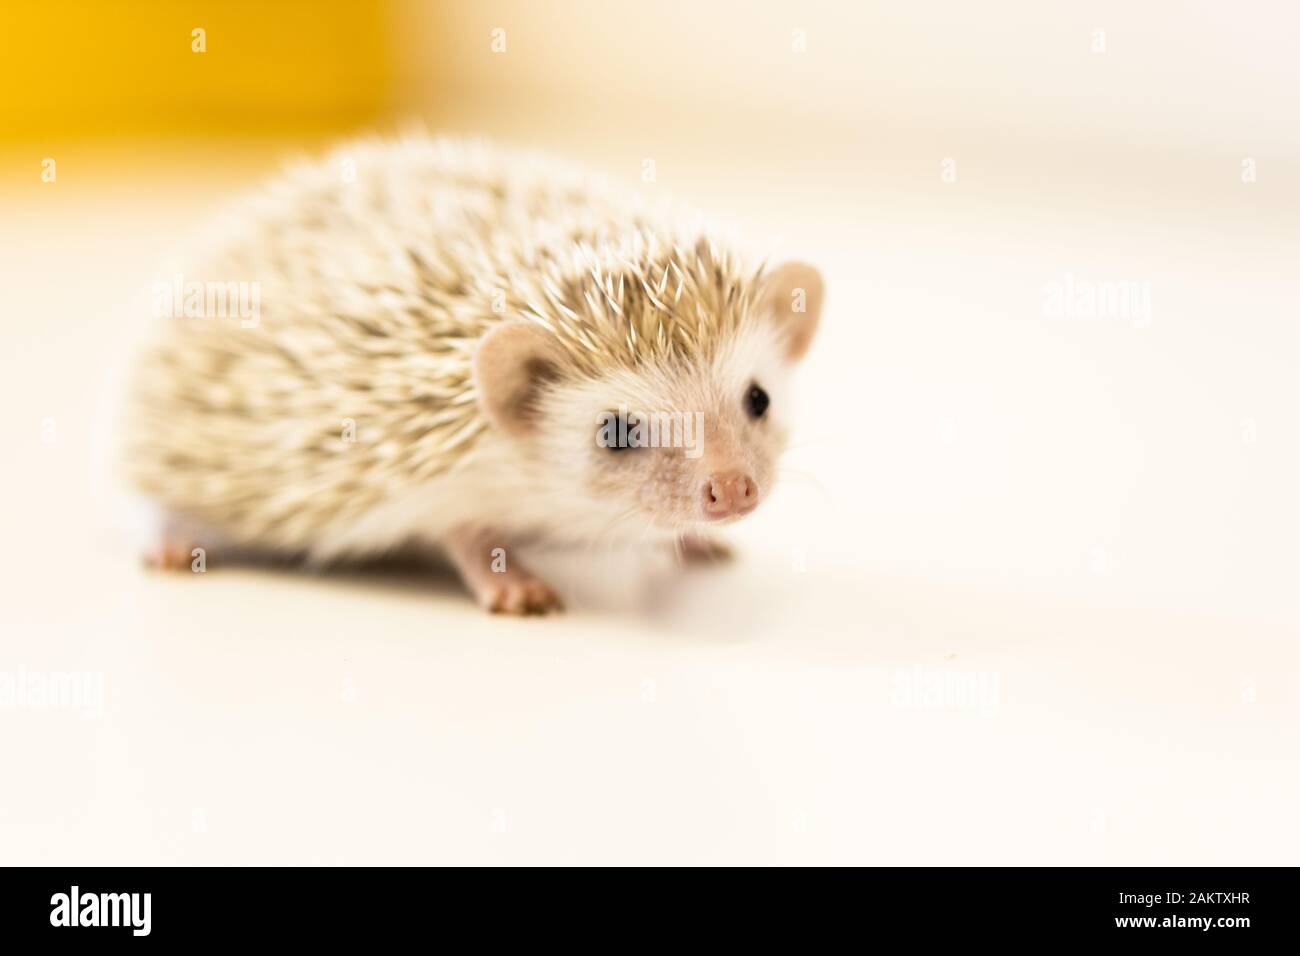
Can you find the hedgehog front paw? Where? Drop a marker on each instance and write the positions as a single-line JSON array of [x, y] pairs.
[[500, 583], [698, 549], [519, 594]]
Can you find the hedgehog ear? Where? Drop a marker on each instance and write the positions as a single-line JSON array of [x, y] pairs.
[[512, 363], [792, 296]]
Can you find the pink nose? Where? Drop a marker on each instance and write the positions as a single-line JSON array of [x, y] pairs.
[[729, 494]]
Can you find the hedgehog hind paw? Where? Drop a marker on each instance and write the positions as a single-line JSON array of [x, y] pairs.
[[173, 546]]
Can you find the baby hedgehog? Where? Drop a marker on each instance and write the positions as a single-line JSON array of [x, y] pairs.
[[450, 345]]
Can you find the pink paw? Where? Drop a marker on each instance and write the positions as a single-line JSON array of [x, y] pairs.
[[519, 595], [169, 554], [696, 549]]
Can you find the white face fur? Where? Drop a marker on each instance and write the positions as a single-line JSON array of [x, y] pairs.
[[658, 451]]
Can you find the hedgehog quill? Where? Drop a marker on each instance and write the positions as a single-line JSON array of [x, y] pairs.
[[464, 348]]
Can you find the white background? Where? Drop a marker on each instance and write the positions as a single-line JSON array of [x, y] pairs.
[[1090, 521]]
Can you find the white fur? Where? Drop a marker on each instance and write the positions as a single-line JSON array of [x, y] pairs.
[[375, 291]]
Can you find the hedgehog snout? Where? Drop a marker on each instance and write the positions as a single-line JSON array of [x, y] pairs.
[[728, 494]]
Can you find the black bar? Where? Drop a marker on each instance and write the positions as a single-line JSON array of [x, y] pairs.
[[1225, 907]]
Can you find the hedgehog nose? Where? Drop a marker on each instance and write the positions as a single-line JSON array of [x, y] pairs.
[[729, 494]]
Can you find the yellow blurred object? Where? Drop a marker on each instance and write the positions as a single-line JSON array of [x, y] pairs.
[[81, 68]]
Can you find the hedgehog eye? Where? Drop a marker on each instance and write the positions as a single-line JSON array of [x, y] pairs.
[[617, 445], [756, 401], [613, 434]]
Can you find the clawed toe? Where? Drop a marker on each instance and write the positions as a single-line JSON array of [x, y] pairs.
[[528, 596]]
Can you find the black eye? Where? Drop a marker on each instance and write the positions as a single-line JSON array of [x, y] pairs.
[[613, 434], [756, 401]]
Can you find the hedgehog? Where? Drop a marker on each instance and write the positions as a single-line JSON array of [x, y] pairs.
[[465, 348]]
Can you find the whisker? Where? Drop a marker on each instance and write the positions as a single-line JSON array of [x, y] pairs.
[[785, 472], [807, 442], [608, 530]]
